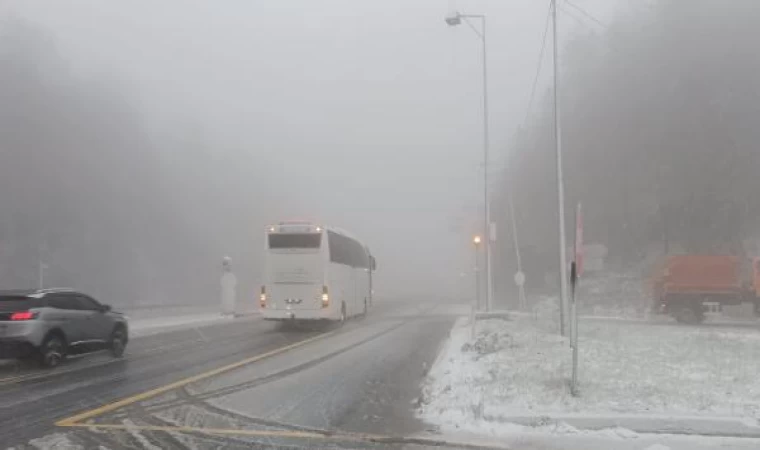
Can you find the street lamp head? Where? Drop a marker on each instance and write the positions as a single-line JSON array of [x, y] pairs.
[[476, 240], [453, 19]]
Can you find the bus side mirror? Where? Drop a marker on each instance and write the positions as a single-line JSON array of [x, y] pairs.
[[372, 263]]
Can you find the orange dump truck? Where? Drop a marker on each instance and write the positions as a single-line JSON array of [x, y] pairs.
[[686, 285]]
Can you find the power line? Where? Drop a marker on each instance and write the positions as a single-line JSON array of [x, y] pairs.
[[575, 16], [585, 13], [580, 10], [540, 63]]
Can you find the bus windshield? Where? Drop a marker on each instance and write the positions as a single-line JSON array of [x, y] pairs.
[[294, 240]]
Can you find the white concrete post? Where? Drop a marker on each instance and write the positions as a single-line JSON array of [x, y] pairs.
[[229, 285]]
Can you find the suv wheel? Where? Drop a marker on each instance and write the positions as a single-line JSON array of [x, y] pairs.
[[52, 351], [118, 342]]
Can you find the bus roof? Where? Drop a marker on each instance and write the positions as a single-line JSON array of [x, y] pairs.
[[301, 226]]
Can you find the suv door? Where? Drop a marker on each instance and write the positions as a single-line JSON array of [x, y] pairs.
[[99, 324], [66, 314]]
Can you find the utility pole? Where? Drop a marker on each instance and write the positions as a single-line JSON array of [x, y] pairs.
[[454, 20], [476, 240], [560, 182], [486, 146], [520, 275], [42, 252], [40, 275]]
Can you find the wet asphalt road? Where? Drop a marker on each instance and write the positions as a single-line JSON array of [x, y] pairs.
[[363, 378]]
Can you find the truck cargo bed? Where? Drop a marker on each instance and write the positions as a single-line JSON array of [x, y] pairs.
[[703, 274]]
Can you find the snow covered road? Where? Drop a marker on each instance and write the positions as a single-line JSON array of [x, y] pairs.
[[245, 382]]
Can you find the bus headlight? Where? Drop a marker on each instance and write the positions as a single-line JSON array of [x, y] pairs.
[[325, 297], [263, 297]]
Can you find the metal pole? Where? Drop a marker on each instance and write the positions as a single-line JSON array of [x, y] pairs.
[[560, 183], [574, 277], [477, 277], [521, 288], [41, 253], [40, 274], [486, 145], [574, 343], [452, 21], [477, 292]]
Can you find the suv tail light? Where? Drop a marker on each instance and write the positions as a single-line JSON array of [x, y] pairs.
[[24, 315], [263, 297], [325, 297]]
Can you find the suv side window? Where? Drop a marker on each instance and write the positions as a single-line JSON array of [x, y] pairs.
[[87, 304], [62, 301]]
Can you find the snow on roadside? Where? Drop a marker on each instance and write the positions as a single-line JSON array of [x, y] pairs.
[[148, 327], [519, 368], [524, 438], [496, 369]]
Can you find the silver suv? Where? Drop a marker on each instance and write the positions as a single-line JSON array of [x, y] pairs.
[[49, 324]]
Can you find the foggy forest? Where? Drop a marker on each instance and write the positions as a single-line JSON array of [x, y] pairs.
[[103, 201], [658, 132], [659, 138]]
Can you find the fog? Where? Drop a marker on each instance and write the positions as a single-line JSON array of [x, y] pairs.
[[659, 114], [143, 141]]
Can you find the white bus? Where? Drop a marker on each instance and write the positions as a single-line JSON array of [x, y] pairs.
[[315, 273]]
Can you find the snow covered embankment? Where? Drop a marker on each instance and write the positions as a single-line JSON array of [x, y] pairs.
[[517, 371]]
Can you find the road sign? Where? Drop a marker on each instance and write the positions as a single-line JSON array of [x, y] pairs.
[[519, 278]]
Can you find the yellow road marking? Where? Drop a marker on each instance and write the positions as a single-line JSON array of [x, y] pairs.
[[8, 380], [185, 429], [72, 421], [241, 432], [292, 434]]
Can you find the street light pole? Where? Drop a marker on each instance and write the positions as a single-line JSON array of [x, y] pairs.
[[40, 275], [41, 265], [486, 196], [521, 281], [475, 243], [560, 181], [454, 20]]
